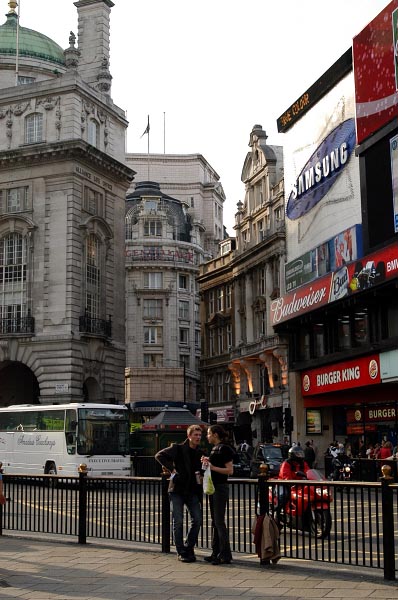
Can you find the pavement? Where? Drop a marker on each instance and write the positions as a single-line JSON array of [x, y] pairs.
[[42, 568]]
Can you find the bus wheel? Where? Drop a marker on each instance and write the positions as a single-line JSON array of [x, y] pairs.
[[51, 469]]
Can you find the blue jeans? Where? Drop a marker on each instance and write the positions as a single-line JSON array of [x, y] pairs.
[[218, 505], [192, 502]]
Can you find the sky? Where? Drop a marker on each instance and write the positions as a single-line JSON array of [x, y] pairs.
[[206, 72]]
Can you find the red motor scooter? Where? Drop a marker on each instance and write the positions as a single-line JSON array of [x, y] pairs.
[[308, 507]]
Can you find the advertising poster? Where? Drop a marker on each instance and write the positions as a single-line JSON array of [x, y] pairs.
[[375, 54], [394, 177], [314, 421]]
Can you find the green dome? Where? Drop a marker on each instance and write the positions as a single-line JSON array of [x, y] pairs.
[[31, 43]]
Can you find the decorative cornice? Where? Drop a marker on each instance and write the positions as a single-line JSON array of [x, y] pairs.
[[37, 154]]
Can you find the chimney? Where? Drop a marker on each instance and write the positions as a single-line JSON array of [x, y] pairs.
[[93, 43]]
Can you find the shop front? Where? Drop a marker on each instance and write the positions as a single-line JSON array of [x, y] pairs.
[[352, 396]]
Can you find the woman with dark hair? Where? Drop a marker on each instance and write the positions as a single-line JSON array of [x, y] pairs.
[[221, 465]]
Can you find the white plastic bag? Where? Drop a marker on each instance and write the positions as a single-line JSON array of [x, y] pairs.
[[208, 485]]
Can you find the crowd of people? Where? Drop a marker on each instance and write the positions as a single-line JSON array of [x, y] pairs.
[[383, 450]]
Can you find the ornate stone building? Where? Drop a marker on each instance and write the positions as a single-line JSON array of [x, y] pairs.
[[244, 363], [193, 181], [163, 253], [62, 202]]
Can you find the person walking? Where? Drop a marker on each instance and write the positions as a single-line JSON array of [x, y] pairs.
[[309, 454], [183, 461], [221, 466]]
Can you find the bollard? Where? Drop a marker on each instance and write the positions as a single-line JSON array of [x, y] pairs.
[[165, 513], [388, 523], [263, 489], [82, 503]]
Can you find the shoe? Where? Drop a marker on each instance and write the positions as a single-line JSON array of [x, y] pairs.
[[190, 554], [186, 559], [221, 561], [210, 558]]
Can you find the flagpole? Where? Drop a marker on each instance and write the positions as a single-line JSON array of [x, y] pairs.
[[148, 146], [17, 45], [164, 133]]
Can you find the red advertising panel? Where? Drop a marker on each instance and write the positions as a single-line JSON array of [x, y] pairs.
[[352, 278], [358, 372], [375, 54], [375, 413]]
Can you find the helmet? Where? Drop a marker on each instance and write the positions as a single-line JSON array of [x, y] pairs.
[[296, 452]]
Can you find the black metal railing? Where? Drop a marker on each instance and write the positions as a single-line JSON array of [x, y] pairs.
[[361, 517], [17, 325], [95, 326]]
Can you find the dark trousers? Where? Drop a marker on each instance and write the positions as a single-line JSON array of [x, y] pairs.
[[218, 504], [192, 502]]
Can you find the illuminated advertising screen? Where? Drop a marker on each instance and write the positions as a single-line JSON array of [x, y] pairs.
[[375, 56], [394, 178]]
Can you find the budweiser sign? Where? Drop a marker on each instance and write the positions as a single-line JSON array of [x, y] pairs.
[[301, 300]]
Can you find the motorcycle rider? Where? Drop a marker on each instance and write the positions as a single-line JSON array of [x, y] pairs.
[[294, 467], [339, 459]]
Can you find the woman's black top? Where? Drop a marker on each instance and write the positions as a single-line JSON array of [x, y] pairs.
[[220, 455]]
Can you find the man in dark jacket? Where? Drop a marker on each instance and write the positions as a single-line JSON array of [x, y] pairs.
[[183, 462]]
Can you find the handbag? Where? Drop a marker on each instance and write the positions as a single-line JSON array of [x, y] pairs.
[[208, 485]]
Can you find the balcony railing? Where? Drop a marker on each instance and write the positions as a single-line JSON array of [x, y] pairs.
[[94, 326], [17, 325]]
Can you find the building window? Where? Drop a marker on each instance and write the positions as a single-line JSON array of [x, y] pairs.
[[210, 389], [184, 336], [23, 80], [183, 281], [152, 228], [192, 202], [153, 280], [220, 299], [152, 335], [93, 202], [153, 308], [183, 310], [211, 342], [197, 315], [14, 200], [220, 387], [229, 336], [361, 327], [344, 332], [13, 294], [34, 128], [319, 339], [184, 361], [197, 338], [220, 340], [211, 302], [153, 360], [262, 322], [262, 282], [150, 205], [93, 133], [228, 297], [93, 277]]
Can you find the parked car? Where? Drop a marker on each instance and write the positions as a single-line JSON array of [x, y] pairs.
[[272, 455], [241, 464]]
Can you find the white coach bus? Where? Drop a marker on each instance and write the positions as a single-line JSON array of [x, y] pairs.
[[56, 439]]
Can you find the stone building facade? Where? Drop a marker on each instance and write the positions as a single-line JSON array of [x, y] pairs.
[[245, 380], [192, 180], [62, 200], [163, 254]]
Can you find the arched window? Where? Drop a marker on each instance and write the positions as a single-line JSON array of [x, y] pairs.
[[33, 128], [93, 277], [13, 294], [93, 133]]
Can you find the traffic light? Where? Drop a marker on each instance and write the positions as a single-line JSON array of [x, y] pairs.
[[212, 418], [287, 421], [204, 411]]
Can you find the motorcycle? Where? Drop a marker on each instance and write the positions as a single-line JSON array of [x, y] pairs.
[[308, 507], [343, 469]]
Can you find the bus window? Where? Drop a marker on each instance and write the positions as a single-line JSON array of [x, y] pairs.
[[70, 431], [103, 432]]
